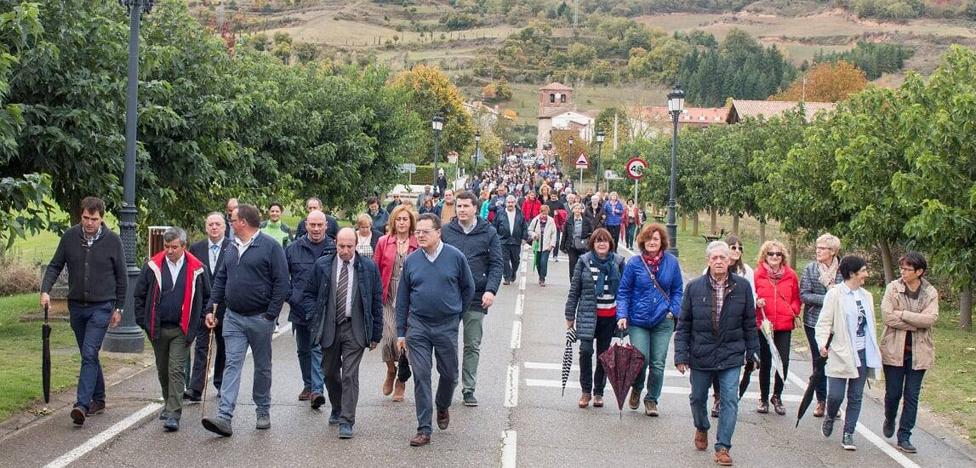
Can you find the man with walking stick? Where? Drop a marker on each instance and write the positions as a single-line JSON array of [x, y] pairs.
[[211, 252]]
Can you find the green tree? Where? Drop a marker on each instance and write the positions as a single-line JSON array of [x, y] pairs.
[[431, 92]]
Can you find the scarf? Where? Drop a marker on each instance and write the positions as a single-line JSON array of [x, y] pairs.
[[775, 276], [653, 262], [607, 268], [828, 274], [87, 240]]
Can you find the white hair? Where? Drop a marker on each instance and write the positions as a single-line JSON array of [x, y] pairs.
[[717, 245]]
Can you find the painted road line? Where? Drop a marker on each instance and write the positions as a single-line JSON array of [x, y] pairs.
[[666, 389], [519, 304], [104, 436], [885, 447], [509, 442], [575, 368], [516, 334], [511, 386], [522, 283]]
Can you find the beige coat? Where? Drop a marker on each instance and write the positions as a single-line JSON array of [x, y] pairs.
[[841, 359], [901, 315], [548, 238]]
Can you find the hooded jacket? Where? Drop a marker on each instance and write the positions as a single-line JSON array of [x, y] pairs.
[[196, 291]]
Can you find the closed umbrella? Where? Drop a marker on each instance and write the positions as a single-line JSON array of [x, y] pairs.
[[568, 356], [622, 363], [819, 363], [775, 360], [747, 375], [46, 357]]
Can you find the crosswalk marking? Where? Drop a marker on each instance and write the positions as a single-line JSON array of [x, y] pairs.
[[670, 390]]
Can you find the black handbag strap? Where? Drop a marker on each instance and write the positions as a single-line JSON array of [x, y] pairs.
[[654, 280]]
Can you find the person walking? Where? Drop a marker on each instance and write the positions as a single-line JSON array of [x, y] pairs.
[[819, 277], [631, 222], [345, 298], [557, 210], [591, 309], [595, 210], [331, 225], [777, 300], [253, 283], [228, 211], [576, 235], [447, 209], [366, 236], [377, 215], [909, 310], [395, 202], [543, 231], [853, 355], [716, 334], [478, 241], [96, 289], [614, 210], [391, 251], [436, 286], [512, 233], [274, 227], [169, 296], [531, 206], [301, 256], [648, 302], [210, 251]]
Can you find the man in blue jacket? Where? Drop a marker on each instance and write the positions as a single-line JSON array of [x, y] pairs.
[[716, 335], [301, 256], [478, 241], [253, 284]]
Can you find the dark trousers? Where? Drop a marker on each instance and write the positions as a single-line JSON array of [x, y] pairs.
[[615, 235], [590, 380], [782, 341], [510, 259], [425, 341], [170, 350], [903, 381], [821, 389], [89, 322], [559, 238], [340, 363], [574, 256], [200, 358], [631, 230]]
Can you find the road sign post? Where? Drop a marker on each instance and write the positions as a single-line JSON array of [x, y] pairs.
[[582, 163], [635, 170]]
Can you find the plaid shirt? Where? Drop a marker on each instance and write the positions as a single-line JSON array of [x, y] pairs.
[[719, 290]]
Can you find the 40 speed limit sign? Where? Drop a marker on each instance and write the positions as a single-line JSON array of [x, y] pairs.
[[635, 168]]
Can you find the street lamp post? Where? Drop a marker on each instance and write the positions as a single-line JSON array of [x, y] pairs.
[[477, 151], [127, 337], [676, 103], [600, 136], [570, 141], [437, 124]]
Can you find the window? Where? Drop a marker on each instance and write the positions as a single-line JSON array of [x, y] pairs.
[[552, 98], [562, 98]]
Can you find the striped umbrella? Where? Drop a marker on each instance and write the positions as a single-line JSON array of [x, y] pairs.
[[568, 356]]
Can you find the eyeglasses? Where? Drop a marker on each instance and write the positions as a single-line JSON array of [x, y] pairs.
[[424, 231], [774, 254], [736, 247], [820, 247]]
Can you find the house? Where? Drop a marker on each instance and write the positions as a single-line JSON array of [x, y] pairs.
[[742, 109], [554, 99], [652, 120], [582, 122]]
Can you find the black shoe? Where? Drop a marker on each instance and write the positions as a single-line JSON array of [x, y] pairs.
[[191, 396], [317, 400], [469, 399], [443, 419], [827, 427], [218, 426], [334, 418], [97, 407], [888, 428], [507, 282], [907, 447], [171, 424], [78, 415]]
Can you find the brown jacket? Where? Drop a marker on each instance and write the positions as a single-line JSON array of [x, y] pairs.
[[901, 315]]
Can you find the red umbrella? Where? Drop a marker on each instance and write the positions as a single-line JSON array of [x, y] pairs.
[[622, 364]]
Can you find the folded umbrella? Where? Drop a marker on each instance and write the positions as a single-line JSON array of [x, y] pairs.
[[819, 363], [46, 357], [747, 375], [622, 364], [568, 356], [775, 360]]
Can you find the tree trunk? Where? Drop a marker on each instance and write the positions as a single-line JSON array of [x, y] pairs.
[[694, 224], [714, 220], [684, 222], [762, 232], [886, 263], [794, 249], [966, 306], [735, 223]]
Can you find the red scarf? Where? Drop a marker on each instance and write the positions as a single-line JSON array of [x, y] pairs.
[[653, 262]]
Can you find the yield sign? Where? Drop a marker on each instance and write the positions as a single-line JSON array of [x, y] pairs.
[[582, 162]]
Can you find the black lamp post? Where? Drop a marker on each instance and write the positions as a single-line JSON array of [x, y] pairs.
[[600, 136], [437, 124], [127, 337], [676, 104], [477, 151]]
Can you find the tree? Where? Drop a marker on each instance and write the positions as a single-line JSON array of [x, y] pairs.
[[825, 82], [431, 93]]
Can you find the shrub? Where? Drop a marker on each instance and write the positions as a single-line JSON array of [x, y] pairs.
[[18, 277]]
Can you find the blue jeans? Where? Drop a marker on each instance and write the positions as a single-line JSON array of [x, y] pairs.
[[90, 322], [239, 333], [309, 358], [653, 343], [728, 383], [542, 264], [907, 382], [855, 392], [631, 230]]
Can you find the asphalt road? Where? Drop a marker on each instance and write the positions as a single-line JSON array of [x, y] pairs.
[[522, 419]]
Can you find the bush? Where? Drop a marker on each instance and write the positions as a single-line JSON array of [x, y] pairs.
[[18, 277]]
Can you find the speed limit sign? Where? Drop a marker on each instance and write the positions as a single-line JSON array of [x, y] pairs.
[[635, 168]]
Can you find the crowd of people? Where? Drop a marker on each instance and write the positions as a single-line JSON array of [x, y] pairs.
[[409, 277]]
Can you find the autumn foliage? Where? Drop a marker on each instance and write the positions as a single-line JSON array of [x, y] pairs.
[[825, 82]]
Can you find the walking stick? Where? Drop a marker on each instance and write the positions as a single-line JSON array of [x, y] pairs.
[[206, 368]]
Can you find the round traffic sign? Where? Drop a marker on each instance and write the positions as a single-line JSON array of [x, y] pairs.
[[635, 168]]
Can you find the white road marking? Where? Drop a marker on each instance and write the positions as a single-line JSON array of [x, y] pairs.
[[522, 284], [666, 389], [575, 368], [511, 387], [523, 267], [509, 441], [875, 439], [104, 436], [516, 334], [519, 304]]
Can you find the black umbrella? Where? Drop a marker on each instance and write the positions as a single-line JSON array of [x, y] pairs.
[[568, 356], [819, 363], [46, 357], [747, 375]]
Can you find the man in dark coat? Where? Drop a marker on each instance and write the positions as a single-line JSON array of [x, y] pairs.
[[331, 225], [478, 241], [344, 298], [169, 298], [512, 233], [210, 251], [716, 334]]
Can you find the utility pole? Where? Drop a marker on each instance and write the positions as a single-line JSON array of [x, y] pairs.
[[575, 14]]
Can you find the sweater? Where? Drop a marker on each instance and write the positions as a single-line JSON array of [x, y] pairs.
[[254, 283], [278, 230], [433, 292], [96, 273]]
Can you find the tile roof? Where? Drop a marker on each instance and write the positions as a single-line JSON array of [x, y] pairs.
[[555, 86], [742, 109], [691, 115]]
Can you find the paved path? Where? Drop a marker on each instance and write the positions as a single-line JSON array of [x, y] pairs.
[[522, 420]]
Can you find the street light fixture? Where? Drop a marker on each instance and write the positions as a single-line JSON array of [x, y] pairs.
[[477, 150], [676, 104], [437, 124], [600, 136]]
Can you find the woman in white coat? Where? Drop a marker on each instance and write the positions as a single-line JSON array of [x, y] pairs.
[[543, 229], [853, 355]]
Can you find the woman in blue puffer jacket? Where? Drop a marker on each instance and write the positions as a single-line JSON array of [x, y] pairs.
[[648, 302]]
